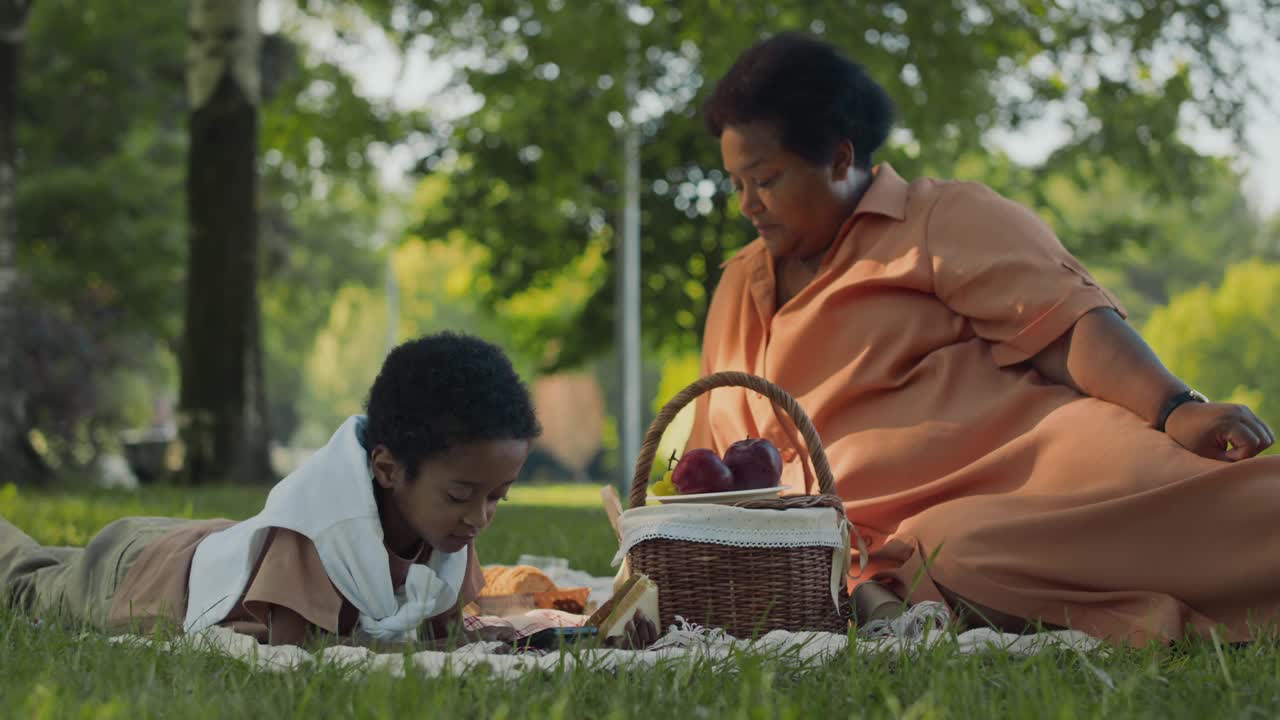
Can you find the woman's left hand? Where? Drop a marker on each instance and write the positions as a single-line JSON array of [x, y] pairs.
[[640, 633], [1220, 431]]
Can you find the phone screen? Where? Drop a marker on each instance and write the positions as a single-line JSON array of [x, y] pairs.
[[552, 638]]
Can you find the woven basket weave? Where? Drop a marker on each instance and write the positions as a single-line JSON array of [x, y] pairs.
[[748, 591]]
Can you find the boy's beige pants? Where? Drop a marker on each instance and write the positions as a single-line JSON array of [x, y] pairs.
[[74, 584]]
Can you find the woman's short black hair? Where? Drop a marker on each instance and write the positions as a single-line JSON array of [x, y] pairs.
[[445, 390], [810, 91]]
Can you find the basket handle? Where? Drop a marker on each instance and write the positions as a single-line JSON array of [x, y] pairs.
[[780, 397]]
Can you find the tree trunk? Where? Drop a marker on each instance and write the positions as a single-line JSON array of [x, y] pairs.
[[223, 418], [15, 454]]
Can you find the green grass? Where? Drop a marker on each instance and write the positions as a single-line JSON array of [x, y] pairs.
[[54, 673], [561, 520]]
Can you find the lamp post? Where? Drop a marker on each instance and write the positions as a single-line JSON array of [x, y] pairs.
[[628, 299]]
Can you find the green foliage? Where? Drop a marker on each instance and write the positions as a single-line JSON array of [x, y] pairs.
[[1147, 249], [432, 280], [1224, 341], [102, 150], [534, 172], [324, 246], [677, 373], [102, 132], [522, 197]]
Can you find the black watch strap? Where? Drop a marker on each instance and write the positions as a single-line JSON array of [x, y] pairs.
[[1176, 402]]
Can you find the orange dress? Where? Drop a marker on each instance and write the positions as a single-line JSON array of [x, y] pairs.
[[958, 462]]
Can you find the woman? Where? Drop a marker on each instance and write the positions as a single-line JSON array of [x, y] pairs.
[[1000, 435]]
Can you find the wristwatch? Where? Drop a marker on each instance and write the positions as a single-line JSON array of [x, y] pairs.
[[1176, 402]]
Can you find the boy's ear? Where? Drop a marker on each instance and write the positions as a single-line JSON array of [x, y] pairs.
[[384, 465]]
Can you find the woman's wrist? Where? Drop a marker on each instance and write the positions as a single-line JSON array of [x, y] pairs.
[[1173, 403]]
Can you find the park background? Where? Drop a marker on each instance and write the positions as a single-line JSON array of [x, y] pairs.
[[216, 217]]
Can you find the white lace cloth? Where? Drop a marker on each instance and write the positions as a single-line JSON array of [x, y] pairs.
[[921, 628], [728, 525]]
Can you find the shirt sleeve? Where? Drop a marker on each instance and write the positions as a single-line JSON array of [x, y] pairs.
[[999, 265], [291, 577]]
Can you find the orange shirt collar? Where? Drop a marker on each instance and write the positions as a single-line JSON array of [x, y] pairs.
[[887, 194]]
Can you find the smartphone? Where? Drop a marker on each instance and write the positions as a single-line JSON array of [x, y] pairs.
[[554, 638]]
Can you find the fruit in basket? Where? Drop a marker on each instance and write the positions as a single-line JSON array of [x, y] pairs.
[[755, 464], [664, 487], [701, 471]]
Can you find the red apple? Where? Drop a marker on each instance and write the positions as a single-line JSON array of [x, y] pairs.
[[701, 471], [755, 463]]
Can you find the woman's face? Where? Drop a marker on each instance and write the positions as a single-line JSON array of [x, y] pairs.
[[797, 207]]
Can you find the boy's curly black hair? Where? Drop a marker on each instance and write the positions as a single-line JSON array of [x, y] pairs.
[[810, 92], [445, 390]]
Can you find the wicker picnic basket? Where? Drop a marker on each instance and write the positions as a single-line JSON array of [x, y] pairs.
[[748, 591]]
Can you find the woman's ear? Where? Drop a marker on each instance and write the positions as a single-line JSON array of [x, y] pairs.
[[385, 467], [842, 162]]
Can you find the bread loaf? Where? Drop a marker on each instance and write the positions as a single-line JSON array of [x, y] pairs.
[[515, 580]]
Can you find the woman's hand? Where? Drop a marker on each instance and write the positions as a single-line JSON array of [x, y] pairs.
[[1220, 431], [1104, 357], [639, 634]]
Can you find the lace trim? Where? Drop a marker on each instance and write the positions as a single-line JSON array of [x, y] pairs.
[[744, 537]]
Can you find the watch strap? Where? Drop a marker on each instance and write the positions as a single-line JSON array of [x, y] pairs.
[[1176, 402]]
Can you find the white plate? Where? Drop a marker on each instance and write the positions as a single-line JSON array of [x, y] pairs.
[[722, 498]]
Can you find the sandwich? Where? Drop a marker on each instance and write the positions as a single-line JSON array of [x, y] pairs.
[[638, 594]]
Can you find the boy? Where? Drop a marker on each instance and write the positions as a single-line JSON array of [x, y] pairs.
[[371, 537]]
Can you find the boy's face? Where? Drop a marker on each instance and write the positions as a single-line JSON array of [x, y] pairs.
[[453, 497]]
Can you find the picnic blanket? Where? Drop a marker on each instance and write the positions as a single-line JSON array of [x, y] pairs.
[[922, 627]]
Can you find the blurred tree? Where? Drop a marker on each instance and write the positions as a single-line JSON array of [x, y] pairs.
[[98, 204], [534, 170], [15, 454], [102, 245], [431, 284], [1150, 249], [1224, 340], [223, 414], [324, 218]]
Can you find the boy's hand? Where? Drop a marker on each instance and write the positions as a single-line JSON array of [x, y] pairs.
[[639, 634], [495, 633], [499, 633]]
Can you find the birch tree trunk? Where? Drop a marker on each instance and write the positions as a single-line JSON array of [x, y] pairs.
[[15, 457], [223, 417]]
